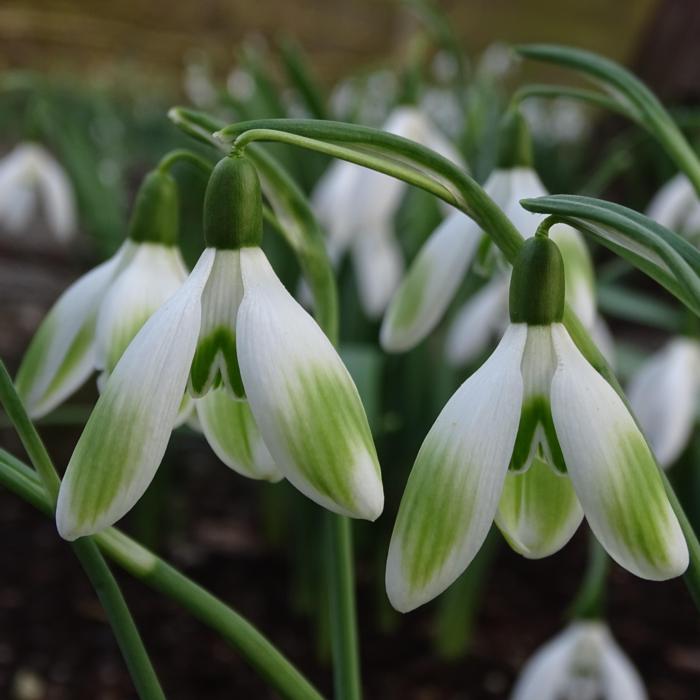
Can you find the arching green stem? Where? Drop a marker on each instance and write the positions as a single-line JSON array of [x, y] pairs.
[[182, 155]]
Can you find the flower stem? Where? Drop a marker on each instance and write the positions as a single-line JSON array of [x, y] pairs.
[[343, 618], [160, 576], [590, 599], [181, 155], [125, 631]]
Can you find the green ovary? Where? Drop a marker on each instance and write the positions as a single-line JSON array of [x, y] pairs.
[[203, 376]]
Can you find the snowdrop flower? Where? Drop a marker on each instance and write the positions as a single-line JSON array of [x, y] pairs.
[[94, 320], [664, 396], [582, 663], [534, 439], [29, 174], [439, 268], [232, 328], [677, 207], [366, 229]]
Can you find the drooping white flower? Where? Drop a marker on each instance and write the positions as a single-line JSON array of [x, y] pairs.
[[534, 439], [581, 663], [664, 396], [439, 268], [31, 176], [356, 208], [231, 330], [94, 320], [677, 207]]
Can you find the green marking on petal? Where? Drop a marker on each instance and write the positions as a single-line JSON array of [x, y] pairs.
[[536, 510], [638, 510], [435, 510], [536, 411], [123, 335], [82, 343], [325, 428], [216, 362], [407, 303]]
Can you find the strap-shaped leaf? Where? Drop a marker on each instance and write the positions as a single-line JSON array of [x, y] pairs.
[[658, 252], [634, 99]]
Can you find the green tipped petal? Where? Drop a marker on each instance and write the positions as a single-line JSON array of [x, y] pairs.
[[126, 435], [61, 355], [215, 361], [452, 494], [431, 283], [538, 512], [230, 429], [613, 472], [303, 398]]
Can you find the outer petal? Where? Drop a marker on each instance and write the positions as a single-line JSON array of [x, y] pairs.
[[612, 469], [673, 203], [578, 272], [17, 195], [230, 429], [57, 195], [538, 512], [127, 433], [152, 275], [431, 283], [378, 266], [478, 322], [455, 485], [545, 675], [303, 398], [61, 355], [524, 184], [621, 680], [663, 396]]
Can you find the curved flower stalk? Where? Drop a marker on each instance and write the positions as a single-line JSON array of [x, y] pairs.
[[233, 328], [94, 320], [30, 175], [677, 207], [535, 439], [366, 229], [663, 395], [437, 272], [581, 663]]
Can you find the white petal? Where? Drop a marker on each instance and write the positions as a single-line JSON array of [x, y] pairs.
[[150, 277], [303, 398], [578, 272], [621, 680], [477, 323], [453, 491], [230, 429], [57, 196], [379, 264], [431, 283], [524, 184], [61, 355], [663, 395], [544, 676], [674, 203], [127, 433], [612, 469]]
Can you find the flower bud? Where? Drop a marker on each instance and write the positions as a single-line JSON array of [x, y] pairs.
[[515, 142]]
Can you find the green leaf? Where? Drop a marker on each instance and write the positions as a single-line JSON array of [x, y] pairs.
[[658, 252]]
